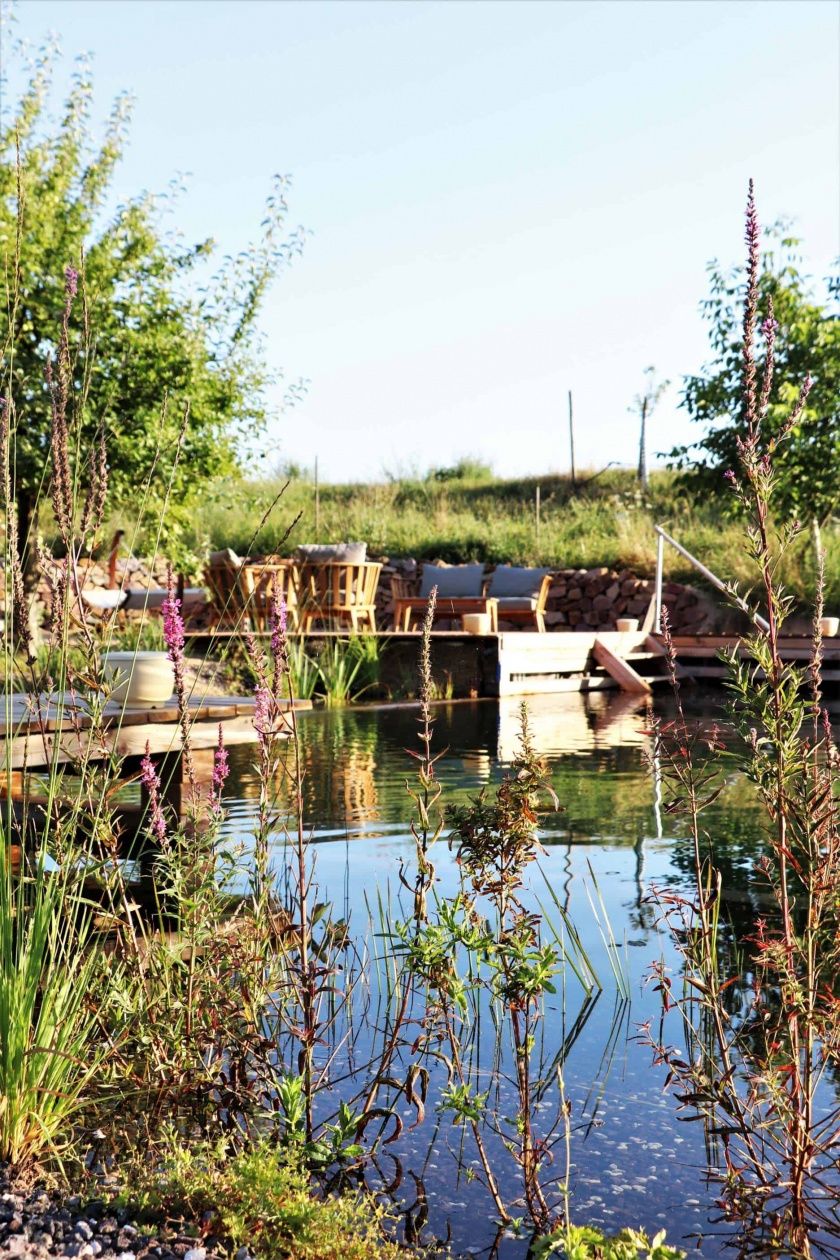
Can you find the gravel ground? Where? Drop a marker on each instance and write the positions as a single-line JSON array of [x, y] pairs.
[[41, 1223]]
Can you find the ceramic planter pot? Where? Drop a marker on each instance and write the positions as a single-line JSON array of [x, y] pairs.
[[139, 677], [829, 627], [476, 623], [627, 624]]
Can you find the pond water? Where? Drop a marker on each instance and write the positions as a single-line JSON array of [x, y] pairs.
[[633, 1162]]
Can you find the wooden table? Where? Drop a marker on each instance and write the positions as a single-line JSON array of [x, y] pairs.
[[449, 606]]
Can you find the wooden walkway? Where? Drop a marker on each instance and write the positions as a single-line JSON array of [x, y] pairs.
[[43, 730]]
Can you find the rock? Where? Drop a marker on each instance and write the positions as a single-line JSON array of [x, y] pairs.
[[196, 1253], [82, 1230]]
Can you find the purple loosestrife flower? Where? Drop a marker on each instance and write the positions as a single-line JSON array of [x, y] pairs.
[[263, 710], [150, 781], [221, 769], [173, 625], [174, 637], [71, 281], [279, 642]]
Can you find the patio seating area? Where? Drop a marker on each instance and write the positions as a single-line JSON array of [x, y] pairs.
[[514, 593], [335, 588], [323, 586]]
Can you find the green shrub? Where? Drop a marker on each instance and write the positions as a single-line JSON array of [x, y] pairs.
[[583, 1242], [260, 1201]]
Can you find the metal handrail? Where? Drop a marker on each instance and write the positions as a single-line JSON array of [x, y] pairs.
[[661, 538]]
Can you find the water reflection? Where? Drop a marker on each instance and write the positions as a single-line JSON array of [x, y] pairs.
[[632, 1163]]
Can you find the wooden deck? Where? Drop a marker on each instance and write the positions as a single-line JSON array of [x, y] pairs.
[[42, 730]]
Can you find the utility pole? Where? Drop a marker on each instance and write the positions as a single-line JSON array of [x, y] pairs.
[[537, 518], [572, 441], [317, 505]]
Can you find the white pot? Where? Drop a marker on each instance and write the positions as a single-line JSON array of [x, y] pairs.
[[829, 627], [627, 625], [139, 677], [476, 623]]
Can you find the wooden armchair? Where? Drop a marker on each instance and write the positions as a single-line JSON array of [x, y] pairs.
[[222, 579], [258, 580], [521, 594], [336, 593]]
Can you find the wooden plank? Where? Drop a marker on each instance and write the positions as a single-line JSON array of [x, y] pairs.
[[623, 673], [37, 714], [36, 751]]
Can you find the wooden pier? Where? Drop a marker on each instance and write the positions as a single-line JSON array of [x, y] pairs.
[[57, 730], [523, 664]]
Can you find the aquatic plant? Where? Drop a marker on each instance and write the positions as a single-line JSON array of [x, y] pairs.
[[759, 1018], [51, 1049]]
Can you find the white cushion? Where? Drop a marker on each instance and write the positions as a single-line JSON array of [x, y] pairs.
[[226, 556], [514, 603], [332, 553]]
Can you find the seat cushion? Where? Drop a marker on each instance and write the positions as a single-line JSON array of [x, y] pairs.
[[332, 553], [457, 581], [226, 556], [514, 603], [510, 580]]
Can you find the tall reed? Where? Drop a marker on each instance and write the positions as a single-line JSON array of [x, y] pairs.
[[759, 1019]]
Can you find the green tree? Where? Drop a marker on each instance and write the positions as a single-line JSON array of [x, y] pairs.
[[155, 339], [808, 341]]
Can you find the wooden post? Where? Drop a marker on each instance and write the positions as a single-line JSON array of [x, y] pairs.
[[572, 441], [317, 505], [537, 517], [660, 560]]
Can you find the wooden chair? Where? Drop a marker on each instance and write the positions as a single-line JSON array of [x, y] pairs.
[[222, 579], [521, 594], [258, 579], [336, 593]]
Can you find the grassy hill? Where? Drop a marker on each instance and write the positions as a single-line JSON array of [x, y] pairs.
[[467, 514]]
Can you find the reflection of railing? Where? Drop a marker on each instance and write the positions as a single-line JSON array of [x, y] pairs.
[[661, 538]]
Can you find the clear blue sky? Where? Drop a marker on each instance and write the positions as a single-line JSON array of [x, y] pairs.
[[506, 199]]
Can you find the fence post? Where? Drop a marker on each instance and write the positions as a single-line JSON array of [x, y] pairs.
[[660, 557]]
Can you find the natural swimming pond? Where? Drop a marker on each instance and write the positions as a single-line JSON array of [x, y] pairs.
[[633, 1161]]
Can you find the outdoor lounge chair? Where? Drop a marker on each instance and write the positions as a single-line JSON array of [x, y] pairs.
[[520, 593], [460, 589]]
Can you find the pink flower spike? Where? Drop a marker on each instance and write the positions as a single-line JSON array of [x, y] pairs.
[[262, 710], [150, 781], [221, 770]]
